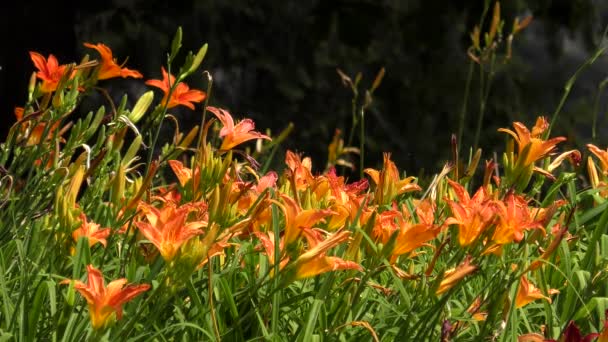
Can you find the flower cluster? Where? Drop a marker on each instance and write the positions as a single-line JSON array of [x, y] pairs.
[[215, 240]]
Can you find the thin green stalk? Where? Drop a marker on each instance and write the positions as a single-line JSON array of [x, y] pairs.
[[205, 104], [276, 296], [568, 87], [216, 330], [463, 110], [362, 143], [163, 112], [353, 116], [484, 93], [596, 108]]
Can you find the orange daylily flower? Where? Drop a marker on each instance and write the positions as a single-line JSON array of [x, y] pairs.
[[181, 95], [314, 261], [104, 301], [385, 225], [235, 134], [475, 310], [410, 235], [454, 275], [602, 155], [514, 216], [268, 243], [49, 71], [167, 228], [472, 215], [301, 170], [538, 148], [296, 218], [109, 67], [35, 133], [415, 235], [527, 293], [388, 182], [183, 174], [246, 193], [346, 199], [91, 231], [603, 335]]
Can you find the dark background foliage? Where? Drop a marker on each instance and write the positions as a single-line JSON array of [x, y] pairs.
[[275, 61]]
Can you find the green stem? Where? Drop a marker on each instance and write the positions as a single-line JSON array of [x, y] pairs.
[[362, 143], [463, 110], [484, 93], [163, 112], [205, 104], [596, 108]]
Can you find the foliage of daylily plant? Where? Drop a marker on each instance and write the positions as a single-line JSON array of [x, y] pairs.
[[197, 240]]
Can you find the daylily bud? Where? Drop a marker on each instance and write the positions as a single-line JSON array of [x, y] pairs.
[[31, 87], [132, 151], [141, 106], [592, 170], [198, 59]]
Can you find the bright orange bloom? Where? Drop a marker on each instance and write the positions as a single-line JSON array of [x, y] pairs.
[[388, 182], [385, 225], [181, 95], [49, 71], [296, 218], [109, 67], [527, 293], [514, 216], [538, 148], [454, 275], [104, 301], [346, 199], [268, 243], [235, 134], [246, 193], [301, 170], [415, 235], [603, 336], [472, 215], [167, 228], [91, 231], [475, 310], [182, 173], [410, 235], [602, 155], [314, 261]]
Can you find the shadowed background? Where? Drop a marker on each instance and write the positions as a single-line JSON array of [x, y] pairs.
[[275, 61]]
